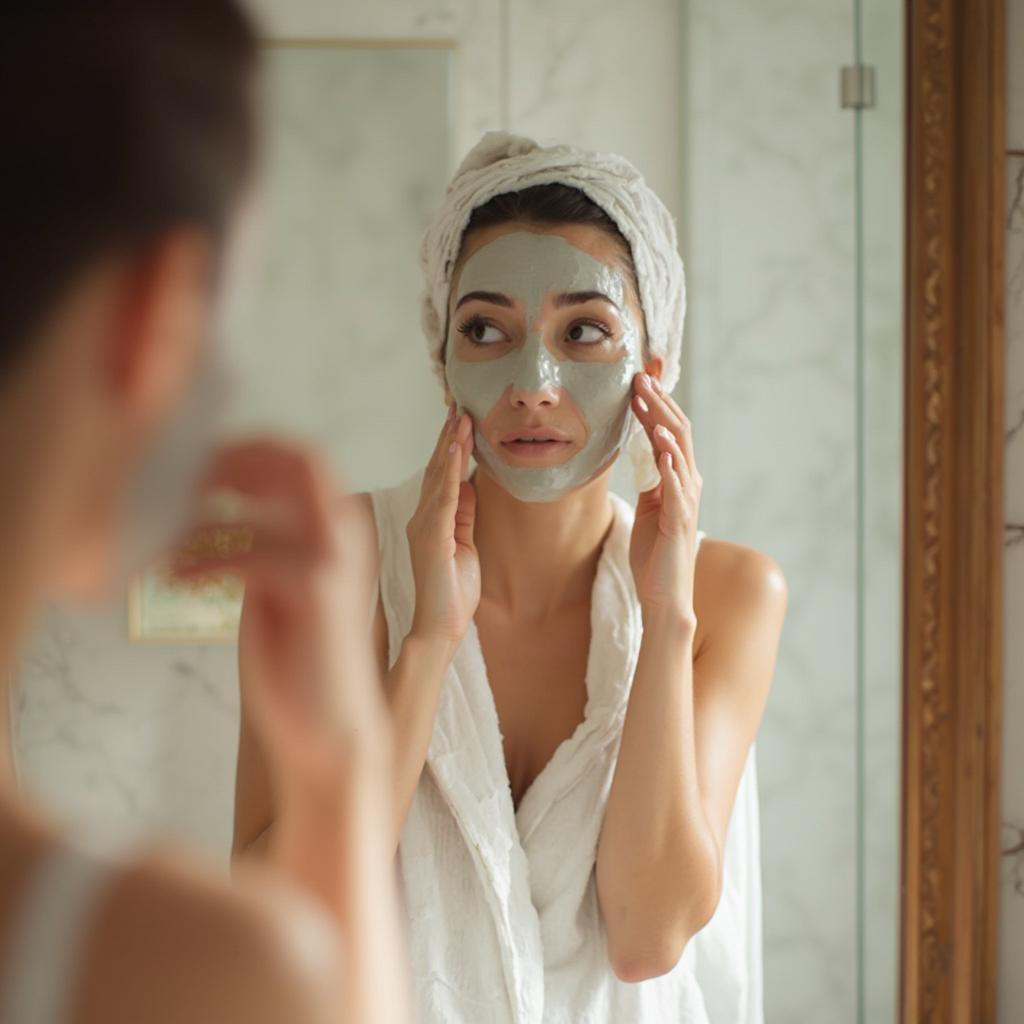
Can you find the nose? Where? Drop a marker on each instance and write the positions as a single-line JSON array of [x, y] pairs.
[[537, 381]]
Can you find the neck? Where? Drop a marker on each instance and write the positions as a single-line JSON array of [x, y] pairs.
[[539, 557]]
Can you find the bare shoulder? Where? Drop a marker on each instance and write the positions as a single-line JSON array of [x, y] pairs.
[[723, 564], [175, 943], [735, 585]]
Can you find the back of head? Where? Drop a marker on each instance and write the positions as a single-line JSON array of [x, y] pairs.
[[122, 120]]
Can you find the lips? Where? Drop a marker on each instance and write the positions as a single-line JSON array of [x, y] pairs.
[[536, 443], [535, 435]]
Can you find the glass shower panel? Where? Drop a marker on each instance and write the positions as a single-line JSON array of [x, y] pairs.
[[878, 314]]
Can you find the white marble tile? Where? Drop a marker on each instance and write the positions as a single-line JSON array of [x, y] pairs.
[[1015, 75], [334, 351], [769, 240], [473, 26], [128, 740], [602, 75], [1011, 926], [770, 247]]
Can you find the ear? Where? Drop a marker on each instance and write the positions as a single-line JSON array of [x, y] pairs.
[[654, 366], [160, 324]]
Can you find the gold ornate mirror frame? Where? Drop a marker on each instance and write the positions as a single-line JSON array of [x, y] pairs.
[[953, 510]]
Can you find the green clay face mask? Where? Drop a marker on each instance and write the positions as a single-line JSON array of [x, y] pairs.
[[528, 267]]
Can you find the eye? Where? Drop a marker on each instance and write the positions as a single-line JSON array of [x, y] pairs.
[[480, 332], [587, 332]]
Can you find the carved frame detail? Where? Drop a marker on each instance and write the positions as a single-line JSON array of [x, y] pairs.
[[953, 510]]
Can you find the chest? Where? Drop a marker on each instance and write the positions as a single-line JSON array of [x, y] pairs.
[[537, 675]]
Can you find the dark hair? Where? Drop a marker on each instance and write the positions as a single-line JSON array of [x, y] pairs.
[[122, 119], [551, 204]]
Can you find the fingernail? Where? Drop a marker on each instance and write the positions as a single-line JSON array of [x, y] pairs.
[[642, 404], [662, 431], [668, 459], [646, 380], [452, 447]]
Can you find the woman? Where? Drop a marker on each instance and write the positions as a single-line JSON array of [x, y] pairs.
[[574, 692], [123, 167]]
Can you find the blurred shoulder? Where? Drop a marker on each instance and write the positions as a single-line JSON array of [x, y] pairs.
[[175, 942]]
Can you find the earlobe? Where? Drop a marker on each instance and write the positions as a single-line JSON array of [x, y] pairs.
[[654, 367]]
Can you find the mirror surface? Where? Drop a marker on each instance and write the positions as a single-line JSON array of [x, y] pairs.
[[790, 216]]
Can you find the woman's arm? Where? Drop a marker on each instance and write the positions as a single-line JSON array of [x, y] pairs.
[[692, 714], [688, 729], [412, 689], [446, 572], [447, 579]]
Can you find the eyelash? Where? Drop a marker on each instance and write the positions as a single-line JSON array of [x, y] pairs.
[[472, 323], [605, 333]]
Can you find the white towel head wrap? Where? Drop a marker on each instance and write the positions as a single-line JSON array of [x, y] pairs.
[[502, 163]]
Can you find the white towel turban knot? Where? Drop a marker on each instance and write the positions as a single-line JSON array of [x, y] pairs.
[[502, 163]]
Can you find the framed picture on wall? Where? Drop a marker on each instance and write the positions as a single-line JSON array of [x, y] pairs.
[[160, 609]]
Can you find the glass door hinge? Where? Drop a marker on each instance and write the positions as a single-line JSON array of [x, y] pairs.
[[857, 86]]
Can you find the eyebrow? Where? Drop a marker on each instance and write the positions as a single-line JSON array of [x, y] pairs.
[[577, 298], [562, 300], [494, 298]]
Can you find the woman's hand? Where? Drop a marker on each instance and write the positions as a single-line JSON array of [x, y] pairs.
[[312, 685], [663, 546], [445, 564]]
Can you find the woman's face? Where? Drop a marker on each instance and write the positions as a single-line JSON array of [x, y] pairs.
[[545, 337]]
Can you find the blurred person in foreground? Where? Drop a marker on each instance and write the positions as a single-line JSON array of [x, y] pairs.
[[130, 143]]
